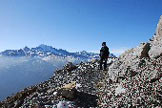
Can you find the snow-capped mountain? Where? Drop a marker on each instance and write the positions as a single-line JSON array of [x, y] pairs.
[[44, 51]]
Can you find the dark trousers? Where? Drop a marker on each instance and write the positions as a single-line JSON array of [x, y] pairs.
[[103, 61]]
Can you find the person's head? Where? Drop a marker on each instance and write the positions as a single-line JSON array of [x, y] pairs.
[[103, 43]]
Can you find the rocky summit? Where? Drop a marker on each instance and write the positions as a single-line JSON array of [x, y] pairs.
[[134, 80]]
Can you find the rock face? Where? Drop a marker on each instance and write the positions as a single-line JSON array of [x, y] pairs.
[[145, 50], [159, 30], [132, 58], [140, 67], [156, 44]]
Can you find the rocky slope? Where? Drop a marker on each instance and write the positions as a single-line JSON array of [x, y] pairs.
[[140, 70], [48, 93], [29, 66], [143, 55], [132, 80]]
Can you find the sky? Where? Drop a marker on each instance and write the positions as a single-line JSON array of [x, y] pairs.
[[77, 25]]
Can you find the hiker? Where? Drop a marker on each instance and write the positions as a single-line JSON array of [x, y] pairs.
[[104, 54]]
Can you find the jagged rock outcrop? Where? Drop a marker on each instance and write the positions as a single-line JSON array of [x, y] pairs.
[[156, 43], [139, 71], [145, 50], [134, 57]]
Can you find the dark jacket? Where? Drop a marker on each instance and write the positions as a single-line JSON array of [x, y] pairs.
[[104, 52]]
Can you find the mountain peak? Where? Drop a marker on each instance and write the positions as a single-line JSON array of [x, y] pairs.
[[83, 52], [26, 48], [43, 46], [45, 50], [158, 35], [156, 44]]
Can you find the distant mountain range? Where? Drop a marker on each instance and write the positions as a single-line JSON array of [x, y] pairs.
[[44, 51], [30, 66]]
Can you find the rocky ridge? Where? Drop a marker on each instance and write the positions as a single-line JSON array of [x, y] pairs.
[[149, 51], [140, 69], [134, 80], [48, 93]]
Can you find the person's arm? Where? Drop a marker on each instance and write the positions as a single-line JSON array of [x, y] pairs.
[[108, 52], [101, 52]]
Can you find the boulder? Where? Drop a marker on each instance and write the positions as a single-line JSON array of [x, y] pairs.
[[133, 73], [69, 94], [119, 90], [70, 85], [145, 50], [155, 76], [155, 51], [70, 66], [68, 91], [100, 84]]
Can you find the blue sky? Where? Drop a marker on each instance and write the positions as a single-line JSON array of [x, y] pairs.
[[77, 25]]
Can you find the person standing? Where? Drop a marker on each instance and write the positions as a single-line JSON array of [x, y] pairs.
[[104, 54]]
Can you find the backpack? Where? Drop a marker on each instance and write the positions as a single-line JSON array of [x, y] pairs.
[[104, 52]]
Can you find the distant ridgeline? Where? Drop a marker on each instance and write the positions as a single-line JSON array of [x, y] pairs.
[[44, 51]]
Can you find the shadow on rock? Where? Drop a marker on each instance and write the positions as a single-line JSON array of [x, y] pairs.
[[86, 100]]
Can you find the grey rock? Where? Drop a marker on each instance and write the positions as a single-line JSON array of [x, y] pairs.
[[145, 50], [156, 44], [68, 94]]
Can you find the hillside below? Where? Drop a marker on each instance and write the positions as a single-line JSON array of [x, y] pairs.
[[84, 85]]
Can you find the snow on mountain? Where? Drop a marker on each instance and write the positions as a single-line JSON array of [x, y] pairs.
[[44, 50], [29, 66]]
